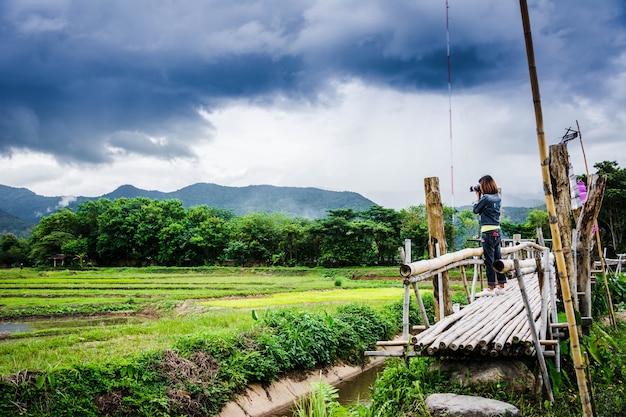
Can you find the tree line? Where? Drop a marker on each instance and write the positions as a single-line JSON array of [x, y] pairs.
[[141, 231]]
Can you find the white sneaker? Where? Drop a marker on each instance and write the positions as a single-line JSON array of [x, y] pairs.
[[487, 292], [499, 291]]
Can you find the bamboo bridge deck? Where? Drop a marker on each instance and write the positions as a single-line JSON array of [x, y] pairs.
[[522, 322], [489, 326]]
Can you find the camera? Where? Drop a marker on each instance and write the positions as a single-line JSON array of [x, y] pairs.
[[475, 188]]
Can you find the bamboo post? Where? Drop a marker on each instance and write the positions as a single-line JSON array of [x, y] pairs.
[[418, 295], [598, 242], [405, 310], [533, 332], [464, 280], [474, 279], [554, 227], [441, 303], [407, 295], [420, 302], [554, 317]]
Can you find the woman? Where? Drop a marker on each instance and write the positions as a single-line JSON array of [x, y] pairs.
[[487, 206]]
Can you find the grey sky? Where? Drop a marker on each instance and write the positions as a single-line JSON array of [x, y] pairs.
[[341, 95]]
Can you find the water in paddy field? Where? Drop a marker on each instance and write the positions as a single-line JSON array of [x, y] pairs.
[[353, 390], [67, 323]]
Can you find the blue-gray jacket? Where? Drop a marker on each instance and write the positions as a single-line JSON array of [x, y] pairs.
[[488, 209]]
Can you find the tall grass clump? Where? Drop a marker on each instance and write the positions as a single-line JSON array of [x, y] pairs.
[[322, 402], [399, 390]]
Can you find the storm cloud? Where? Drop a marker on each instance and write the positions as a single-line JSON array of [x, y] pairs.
[[89, 82]]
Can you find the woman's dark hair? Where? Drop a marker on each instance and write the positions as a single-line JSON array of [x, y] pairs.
[[488, 185]]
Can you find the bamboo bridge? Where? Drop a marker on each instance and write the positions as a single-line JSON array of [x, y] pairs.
[[522, 322]]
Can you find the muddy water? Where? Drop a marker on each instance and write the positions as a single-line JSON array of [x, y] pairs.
[[67, 323], [356, 389]]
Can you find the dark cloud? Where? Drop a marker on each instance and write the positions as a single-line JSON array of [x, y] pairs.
[[84, 80]]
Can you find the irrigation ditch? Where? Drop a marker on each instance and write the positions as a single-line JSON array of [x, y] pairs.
[[277, 400]]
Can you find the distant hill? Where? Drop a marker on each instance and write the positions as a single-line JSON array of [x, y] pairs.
[[22, 205], [14, 225], [516, 215], [21, 209]]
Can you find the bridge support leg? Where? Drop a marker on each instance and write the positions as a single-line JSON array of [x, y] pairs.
[[533, 332]]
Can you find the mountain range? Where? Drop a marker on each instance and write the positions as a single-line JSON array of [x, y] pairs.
[[20, 208]]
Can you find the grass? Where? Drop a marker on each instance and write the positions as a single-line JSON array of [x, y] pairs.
[[27, 288], [175, 302], [184, 308], [372, 296]]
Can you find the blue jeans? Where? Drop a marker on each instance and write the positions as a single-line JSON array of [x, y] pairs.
[[491, 252]]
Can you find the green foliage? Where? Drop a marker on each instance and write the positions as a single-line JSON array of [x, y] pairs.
[[358, 328], [617, 290], [13, 250], [322, 402], [414, 226], [307, 338], [202, 371], [399, 390], [612, 218]]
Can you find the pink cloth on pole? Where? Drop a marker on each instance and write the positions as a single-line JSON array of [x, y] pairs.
[[582, 191]]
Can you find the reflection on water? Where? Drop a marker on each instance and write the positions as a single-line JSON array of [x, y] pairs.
[[14, 328], [67, 323], [356, 389]]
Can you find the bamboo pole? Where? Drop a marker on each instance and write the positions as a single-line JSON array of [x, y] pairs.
[[435, 264], [424, 265], [420, 302], [533, 332], [554, 227]]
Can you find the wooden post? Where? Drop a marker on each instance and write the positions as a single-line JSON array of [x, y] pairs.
[[559, 176], [579, 366], [436, 235], [586, 220]]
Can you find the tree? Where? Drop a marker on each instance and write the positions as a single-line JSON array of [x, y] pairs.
[[414, 226], [51, 234], [385, 232], [466, 227], [207, 234], [339, 238], [612, 216], [538, 219], [87, 215], [254, 237], [13, 250]]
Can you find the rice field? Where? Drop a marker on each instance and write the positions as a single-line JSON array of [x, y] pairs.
[[68, 317]]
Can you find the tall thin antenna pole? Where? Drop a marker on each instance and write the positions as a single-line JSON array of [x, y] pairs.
[[450, 123]]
